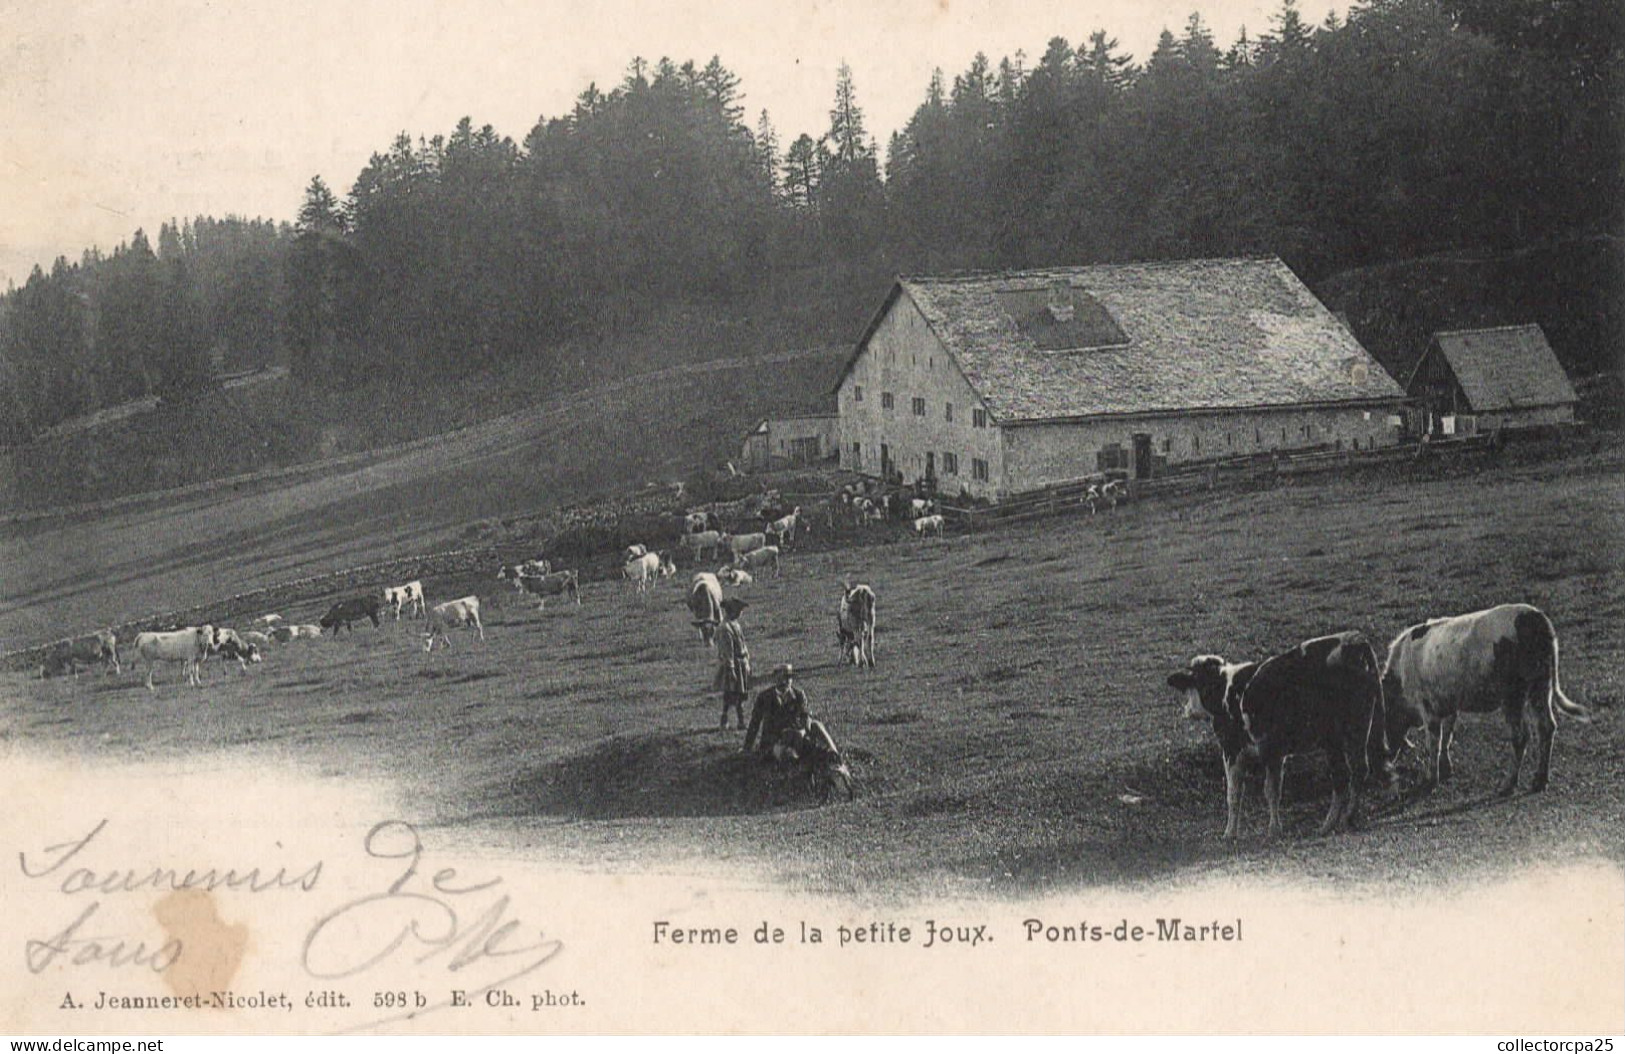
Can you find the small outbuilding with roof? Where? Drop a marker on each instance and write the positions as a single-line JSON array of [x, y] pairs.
[[1485, 380], [994, 384]]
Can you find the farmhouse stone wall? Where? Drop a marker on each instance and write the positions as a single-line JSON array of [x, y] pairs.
[[904, 358], [1036, 455]]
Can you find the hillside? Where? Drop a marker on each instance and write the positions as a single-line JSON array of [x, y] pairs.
[[155, 555], [1574, 289]]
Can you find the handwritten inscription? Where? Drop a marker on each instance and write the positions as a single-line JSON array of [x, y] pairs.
[[442, 919], [70, 865]]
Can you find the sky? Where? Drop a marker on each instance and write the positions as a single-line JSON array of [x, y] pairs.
[[119, 114]]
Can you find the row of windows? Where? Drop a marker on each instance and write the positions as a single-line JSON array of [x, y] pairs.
[[950, 463], [888, 401]]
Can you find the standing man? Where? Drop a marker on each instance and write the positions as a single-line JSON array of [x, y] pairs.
[[733, 661]]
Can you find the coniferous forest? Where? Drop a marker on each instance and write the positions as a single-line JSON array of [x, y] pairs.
[[1408, 128]]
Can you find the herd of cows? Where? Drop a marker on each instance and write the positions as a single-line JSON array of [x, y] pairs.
[[1331, 694]]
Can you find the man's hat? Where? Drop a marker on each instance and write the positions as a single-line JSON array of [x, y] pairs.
[[733, 605], [783, 671]]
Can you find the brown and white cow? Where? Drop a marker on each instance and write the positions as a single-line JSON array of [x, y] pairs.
[[703, 543], [647, 568], [189, 647], [68, 655], [740, 544], [400, 598], [705, 604], [559, 583], [855, 624], [1324, 694], [451, 615], [1503, 658], [231, 645], [766, 556]]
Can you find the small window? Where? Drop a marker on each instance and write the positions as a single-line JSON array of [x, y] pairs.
[[978, 418], [857, 455], [1283, 433], [886, 400], [978, 469], [857, 393], [1258, 436], [1168, 445], [1196, 444], [950, 464], [919, 406], [949, 411]]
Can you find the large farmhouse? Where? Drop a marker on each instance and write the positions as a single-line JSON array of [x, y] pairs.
[[999, 383], [1484, 380]]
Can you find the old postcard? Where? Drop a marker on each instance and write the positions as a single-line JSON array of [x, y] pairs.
[[906, 517]]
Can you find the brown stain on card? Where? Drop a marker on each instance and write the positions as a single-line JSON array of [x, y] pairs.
[[211, 948]]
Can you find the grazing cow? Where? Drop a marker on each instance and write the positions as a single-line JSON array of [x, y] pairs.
[[855, 624], [345, 612], [740, 544], [705, 604], [68, 655], [733, 576], [1504, 658], [530, 568], [257, 638], [230, 644], [704, 543], [1213, 690], [451, 615], [928, 525], [408, 596], [559, 583], [646, 568], [284, 634], [267, 621], [783, 529], [1325, 694], [187, 646], [766, 556]]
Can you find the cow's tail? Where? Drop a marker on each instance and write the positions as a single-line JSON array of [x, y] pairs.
[[1537, 636], [1564, 703]]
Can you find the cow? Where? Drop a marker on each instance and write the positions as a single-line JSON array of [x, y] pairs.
[[766, 556], [453, 614], [189, 647], [1324, 694], [408, 596], [647, 568], [705, 604], [558, 583], [704, 543], [696, 522], [919, 507], [928, 525], [855, 624], [267, 621], [783, 529], [345, 612], [635, 551], [230, 644], [1213, 690], [284, 634], [740, 544], [732, 576], [256, 638], [68, 655], [532, 568], [1503, 658]]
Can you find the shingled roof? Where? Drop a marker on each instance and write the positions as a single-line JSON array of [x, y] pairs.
[[1185, 336], [1505, 368]]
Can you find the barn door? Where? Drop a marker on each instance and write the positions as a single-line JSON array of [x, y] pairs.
[[1142, 455]]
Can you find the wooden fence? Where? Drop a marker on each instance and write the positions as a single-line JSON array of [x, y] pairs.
[[1070, 496]]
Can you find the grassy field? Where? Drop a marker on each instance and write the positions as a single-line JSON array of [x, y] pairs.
[[1017, 734]]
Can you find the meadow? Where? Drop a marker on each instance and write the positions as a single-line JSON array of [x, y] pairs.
[[1017, 733]]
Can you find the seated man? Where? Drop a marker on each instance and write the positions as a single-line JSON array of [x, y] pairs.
[[779, 717]]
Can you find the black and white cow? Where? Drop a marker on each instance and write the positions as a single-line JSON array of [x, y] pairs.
[[1503, 658]]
